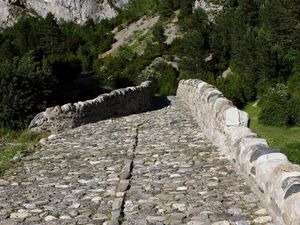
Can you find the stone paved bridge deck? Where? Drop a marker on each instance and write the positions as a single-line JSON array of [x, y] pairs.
[[150, 168]]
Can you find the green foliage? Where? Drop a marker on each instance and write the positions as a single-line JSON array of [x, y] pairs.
[[287, 138], [26, 85], [165, 79], [233, 87], [260, 42], [50, 36], [135, 10], [277, 109], [158, 33], [193, 47], [16, 143]]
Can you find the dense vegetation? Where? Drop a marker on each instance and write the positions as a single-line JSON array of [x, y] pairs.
[[39, 59], [258, 40], [284, 138]]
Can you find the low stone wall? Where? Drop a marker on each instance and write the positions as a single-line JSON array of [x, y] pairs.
[[277, 180], [119, 102]]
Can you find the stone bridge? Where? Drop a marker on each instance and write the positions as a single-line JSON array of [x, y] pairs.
[[169, 165]]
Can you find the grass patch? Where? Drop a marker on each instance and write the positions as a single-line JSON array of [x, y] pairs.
[[287, 139], [14, 143]]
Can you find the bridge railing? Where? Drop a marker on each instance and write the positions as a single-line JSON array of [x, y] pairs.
[[267, 170], [119, 102]]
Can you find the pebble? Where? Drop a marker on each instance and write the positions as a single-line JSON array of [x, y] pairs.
[[99, 216], [224, 222], [263, 219], [181, 189], [261, 212], [172, 175], [96, 199], [50, 218], [19, 215], [65, 217]]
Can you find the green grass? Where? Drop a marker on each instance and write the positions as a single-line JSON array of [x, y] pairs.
[[15, 143], [287, 139]]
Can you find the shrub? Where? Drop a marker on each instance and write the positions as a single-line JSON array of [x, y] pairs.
[[233, 88], [165, 79], [276, 107], [25, 87], [293, 107]]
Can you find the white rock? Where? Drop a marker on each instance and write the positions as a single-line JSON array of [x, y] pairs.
[[263, 219], [179, 206], [261, 212], [76, 10], [224, 222], [74, 206], [50, 218], [175, 175], [181, 189], [29, 205], [20, 215], [232, 117], [96, 199], [65, 217]]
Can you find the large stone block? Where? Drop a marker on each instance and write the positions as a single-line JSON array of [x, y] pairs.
[[232, 117]]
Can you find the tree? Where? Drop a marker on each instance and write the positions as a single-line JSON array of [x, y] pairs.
[[159, 33], [25, 89], [50, 36]]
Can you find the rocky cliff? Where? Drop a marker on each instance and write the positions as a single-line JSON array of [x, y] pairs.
[[75, 10], [210, 7]]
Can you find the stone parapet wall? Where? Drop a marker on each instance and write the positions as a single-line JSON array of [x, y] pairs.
[[269, 171], [119, 102]]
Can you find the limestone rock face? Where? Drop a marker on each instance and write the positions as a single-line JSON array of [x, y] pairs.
[[75, 10], [8, 13], [210, 8]]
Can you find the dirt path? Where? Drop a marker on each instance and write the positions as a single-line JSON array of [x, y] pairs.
[[123, 36]]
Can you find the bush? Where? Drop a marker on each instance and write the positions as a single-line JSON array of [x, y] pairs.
[[165, 79], [294, 111], [25, 87], [233, 88], [276, 107]]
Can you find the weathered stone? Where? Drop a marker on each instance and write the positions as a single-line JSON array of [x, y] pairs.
[[96, 199], [156, 218], [232, 117], [263, 220], [117, 204], [59, 118], [262, 151], [20, 215], [123, 185], [99, 217], [224, 222], [50, 218], [261, 212]]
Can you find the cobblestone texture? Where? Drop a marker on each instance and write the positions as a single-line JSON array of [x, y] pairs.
[[175, 177]]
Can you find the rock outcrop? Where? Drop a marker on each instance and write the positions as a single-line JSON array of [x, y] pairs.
[[75, 10], [209, 7]]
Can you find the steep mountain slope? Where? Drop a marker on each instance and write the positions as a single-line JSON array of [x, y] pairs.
[[75, 10]]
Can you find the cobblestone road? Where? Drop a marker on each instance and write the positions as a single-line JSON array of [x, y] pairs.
[[150, 168]]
